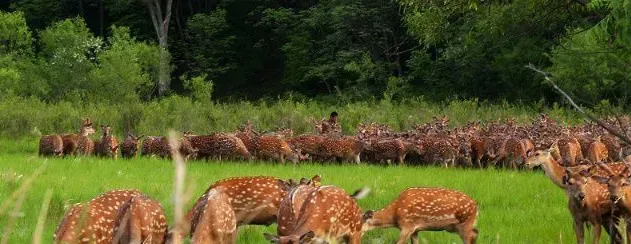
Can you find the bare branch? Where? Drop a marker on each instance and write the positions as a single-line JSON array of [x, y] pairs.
[[591, 117]]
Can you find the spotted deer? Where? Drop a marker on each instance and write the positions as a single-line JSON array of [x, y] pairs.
[[619, 188], [556, 172], [347, 149], [274, 148], [589, 203], [214, 220], [159, 146], [140, 220], [93, 222], [439, 150], [292, 202], [219, 145], [567, 151], [72, 143], [513, 151], [614, 148], [51, 145], [425, 208], [392, 150], [307, 144], [108, 145], [129, 147], [597, 151], [255, 200], [328, 214]]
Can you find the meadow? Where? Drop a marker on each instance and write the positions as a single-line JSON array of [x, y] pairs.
[[515, 206]]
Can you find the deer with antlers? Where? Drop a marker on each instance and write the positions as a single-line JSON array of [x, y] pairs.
[[129, 147], [424, 208], [81, 143], [328, 214]]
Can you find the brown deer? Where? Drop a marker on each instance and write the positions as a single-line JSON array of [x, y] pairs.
[[51, 145], [589, 203], [129, 147], [327, 214], [275, 148], [159, 146], [426, 208], [292, 202], [214, 220], [108, 145], [307, 144], [619, 190], [567, 151], [556, 172], [72, 141], [613, 147], [219, 146], [255, 200], [513, 151], [140, 220], [597, 151], [345, 148], [392, 150], [93, 222]]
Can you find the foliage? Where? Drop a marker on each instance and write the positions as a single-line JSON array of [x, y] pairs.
[[14, 33], [201, 89], [593, 62]]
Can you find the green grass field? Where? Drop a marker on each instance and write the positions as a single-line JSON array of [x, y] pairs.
[[515, 207]]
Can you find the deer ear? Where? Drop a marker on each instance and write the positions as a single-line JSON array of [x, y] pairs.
[[316, 180], [367, 215], [306, 237], [272, 238]]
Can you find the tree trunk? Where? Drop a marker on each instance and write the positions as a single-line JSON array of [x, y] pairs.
[[161, 26]]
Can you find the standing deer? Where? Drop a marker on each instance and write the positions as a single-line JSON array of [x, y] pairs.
[[108, 145], [93, 222], [597, 151], [620, 192], [589, 203], [51, 145], [424, 208], [140, 220], [129, 147], [392, 150], [328, 214], [214, 220], [290, 205], [81, 141]]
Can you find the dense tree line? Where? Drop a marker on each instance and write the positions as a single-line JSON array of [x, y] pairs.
[[336, 50]]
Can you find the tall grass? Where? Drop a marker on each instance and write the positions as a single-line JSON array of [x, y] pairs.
[[20, 117], [515, 206]]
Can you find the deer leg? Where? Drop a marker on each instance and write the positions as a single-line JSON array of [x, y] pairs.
[[355, 239], [414, 237], [579, 231], [597, 228], [405, 234]]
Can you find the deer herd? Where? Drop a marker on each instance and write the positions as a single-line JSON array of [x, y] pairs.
[[588, 163], [305, 211]]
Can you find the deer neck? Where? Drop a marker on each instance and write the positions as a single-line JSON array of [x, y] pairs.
[[383, 218], [554, 171]]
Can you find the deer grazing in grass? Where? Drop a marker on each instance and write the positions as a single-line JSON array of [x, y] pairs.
[[255, 200], [347, 148], [424, 208], [328, 214], [129, 147], [51, 145], [80, 143], [140, 220], [392, 150], [219, 146], [214, 220], [93, 222]]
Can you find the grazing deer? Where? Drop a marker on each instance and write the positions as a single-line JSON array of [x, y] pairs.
[[140, 220], [255, 200], [512, 151], [419, 209], [589, 203], [71, 141], [108, 145], [159, 146], [219, 145], [129, 147], [327, 214], [597, 151], [345, 148], [93, 222], [392, 150], [439, 150], [51, 145], [214, 220], [307, 144], [275, 148], [290, 205]]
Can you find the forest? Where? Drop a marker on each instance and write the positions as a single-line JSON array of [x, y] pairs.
[[333, 51]]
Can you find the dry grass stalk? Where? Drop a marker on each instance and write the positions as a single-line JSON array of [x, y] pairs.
[[178, 187], [41, 220]]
